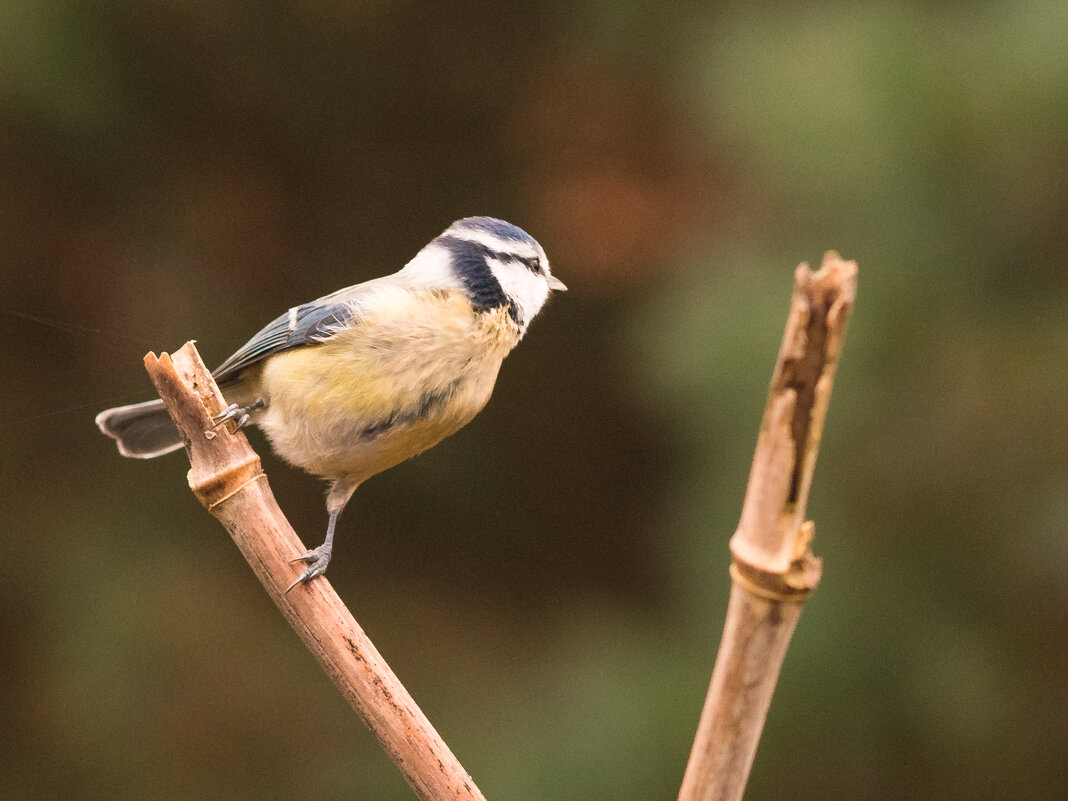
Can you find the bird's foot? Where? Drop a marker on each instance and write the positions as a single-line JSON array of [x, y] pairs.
[[238, 413], [317, 559]]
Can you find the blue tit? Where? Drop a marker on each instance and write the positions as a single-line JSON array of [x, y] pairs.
[[356, 382]]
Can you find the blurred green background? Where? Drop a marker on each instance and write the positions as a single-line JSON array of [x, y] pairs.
[[550, 583]]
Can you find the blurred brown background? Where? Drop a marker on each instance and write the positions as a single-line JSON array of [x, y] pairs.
[[549, 583]]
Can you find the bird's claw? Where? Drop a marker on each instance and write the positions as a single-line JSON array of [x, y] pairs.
[[317, 559], [238, 413], [231, 412]]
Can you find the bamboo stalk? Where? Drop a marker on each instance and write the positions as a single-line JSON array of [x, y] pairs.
[[773, 569], [226, 477]]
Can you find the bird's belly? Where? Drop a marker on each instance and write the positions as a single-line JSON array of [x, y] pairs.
[[352, 420]]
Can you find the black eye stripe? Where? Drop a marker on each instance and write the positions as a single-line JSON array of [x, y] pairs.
[[457, 245]]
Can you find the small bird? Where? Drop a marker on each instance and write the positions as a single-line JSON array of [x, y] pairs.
[[356, 382]]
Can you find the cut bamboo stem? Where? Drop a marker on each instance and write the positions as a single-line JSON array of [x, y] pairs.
[[226, 477], [773, 569]]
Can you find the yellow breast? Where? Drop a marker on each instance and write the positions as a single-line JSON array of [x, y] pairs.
[[409, 372]]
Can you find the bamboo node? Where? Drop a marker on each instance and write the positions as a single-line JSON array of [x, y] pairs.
[[224, 485], [794, 586]]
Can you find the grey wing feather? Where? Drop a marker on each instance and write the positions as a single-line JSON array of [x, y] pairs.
[[303, 325]]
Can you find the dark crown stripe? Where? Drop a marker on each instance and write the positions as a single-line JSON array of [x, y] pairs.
[[499, 228]]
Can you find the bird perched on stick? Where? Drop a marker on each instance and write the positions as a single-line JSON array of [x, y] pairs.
[[356, 382]]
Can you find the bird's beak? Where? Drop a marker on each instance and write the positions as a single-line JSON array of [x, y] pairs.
[[556, 284]]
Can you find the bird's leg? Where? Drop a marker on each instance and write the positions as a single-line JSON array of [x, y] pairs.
[[238, 413], [317, 558]]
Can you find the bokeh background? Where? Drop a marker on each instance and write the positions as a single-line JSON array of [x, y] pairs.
[[551, 582]]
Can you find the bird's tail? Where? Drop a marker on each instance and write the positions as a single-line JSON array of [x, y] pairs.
[[143, 430]]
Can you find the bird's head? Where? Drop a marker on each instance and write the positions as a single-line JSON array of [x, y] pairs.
[[496, 264]]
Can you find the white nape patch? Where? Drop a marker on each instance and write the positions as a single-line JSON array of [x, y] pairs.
[[431, 268], [527, 290]]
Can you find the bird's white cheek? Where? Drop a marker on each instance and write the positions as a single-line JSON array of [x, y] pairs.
[[524, 288]]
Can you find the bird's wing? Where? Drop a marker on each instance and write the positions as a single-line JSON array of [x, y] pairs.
[[307, 324]]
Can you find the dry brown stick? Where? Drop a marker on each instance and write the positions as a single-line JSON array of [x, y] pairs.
[[226, 477], [773, 569]]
